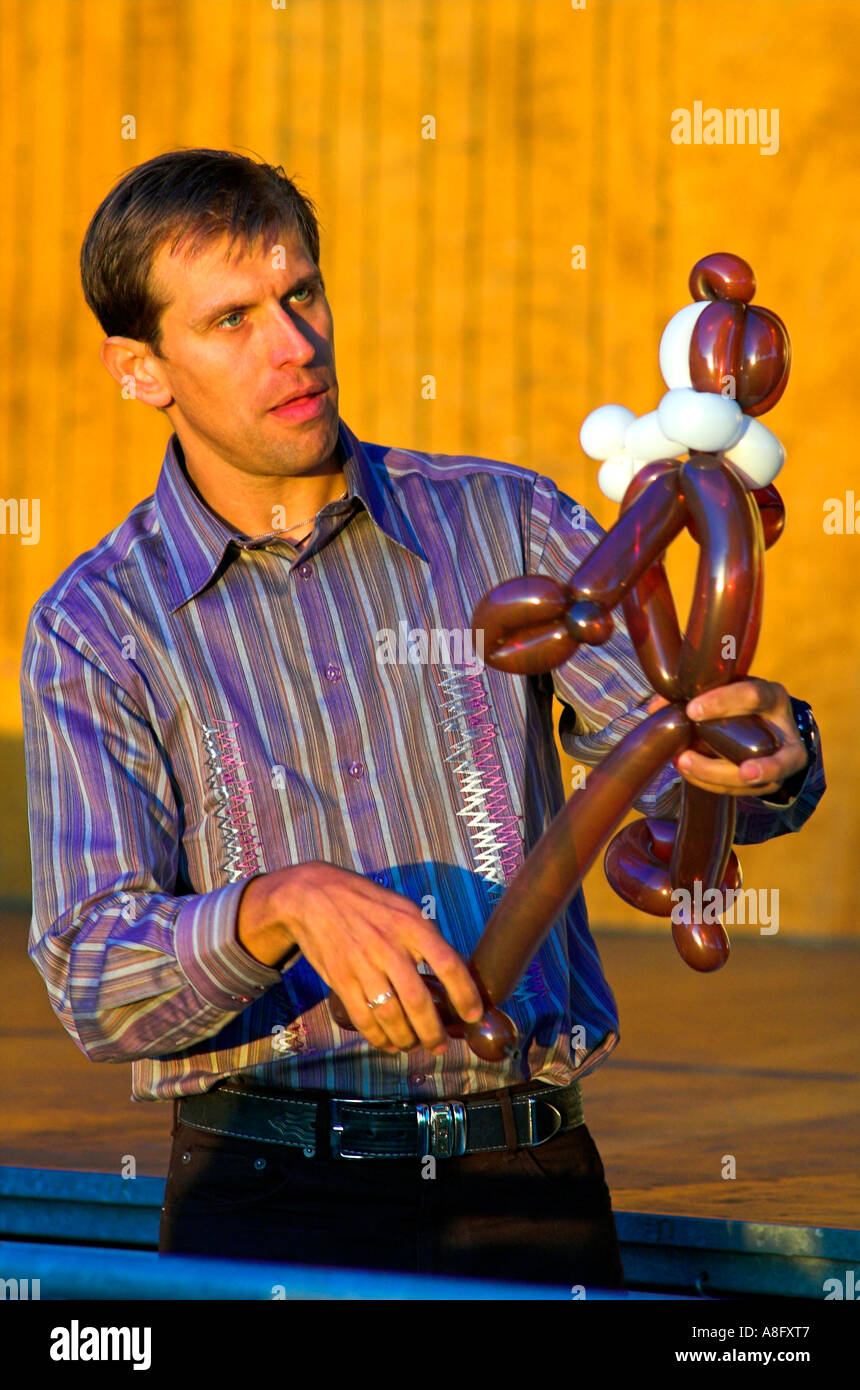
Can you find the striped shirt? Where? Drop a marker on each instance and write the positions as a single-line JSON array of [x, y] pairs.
[[201, 706]]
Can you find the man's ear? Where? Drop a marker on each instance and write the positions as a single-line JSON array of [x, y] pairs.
[[131, 363]]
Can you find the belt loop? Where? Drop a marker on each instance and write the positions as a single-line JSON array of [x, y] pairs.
[[508, 1121]]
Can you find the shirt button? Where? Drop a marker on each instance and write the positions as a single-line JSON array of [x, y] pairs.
[[418, 1078], [241, 998], [305, 570], [356, 769], [380, 878], [332, 672]]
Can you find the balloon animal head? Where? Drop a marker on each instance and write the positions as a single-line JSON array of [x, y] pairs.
[[725, 362]]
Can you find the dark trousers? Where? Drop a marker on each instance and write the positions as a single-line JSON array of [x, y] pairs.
[[533, 1215]]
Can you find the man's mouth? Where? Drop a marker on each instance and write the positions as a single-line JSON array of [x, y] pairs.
[[299, 395], [304, 405]]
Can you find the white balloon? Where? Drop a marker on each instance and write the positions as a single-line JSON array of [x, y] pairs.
[[615, 475], [702, 419], [602, 432], [675, 345], [758, 453], [646, 441]]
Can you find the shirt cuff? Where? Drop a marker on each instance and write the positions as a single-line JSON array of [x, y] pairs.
[[794, 785], [790, 789], [209, 953]]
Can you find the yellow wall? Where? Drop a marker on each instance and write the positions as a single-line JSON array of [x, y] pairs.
[[452, 257]]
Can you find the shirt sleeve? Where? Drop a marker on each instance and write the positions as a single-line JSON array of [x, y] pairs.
[[132, 968], [604, 690]]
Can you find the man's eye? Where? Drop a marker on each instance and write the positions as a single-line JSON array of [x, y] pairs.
[[237, 313]]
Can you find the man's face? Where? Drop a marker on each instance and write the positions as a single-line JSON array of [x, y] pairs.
[[238, 337]]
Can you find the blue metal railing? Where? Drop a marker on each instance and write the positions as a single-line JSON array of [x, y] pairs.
[[70, 1212], [79, 1272]]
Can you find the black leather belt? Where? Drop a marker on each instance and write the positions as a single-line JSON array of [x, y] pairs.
[[384, 1128]]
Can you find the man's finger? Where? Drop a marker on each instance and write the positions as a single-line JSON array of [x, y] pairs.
[[418, 1007], [756, 776], [387, 1013], [427, 943], [354, 1000], [749, 696], [452, 970], [656, 702]]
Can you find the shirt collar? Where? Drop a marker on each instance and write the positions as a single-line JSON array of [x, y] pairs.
[[196, 539]]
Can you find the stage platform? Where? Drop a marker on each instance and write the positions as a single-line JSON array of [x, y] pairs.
[[752, 1071]]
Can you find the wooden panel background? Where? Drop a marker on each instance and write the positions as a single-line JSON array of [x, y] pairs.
[[452, 257]]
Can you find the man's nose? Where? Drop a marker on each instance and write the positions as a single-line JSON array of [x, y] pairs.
[[291, 339]]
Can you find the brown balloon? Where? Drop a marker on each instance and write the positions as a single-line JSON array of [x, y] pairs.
[[649, 609], [747, 347], [703, 946], [523, 625], [555, 868], [733, 341], [703, 843], [533, 624], [729, 551], [738, 738], [529, 622], [558, 863], [772, 510], [637, 861], [639, 536], [493, 1037], [635, 871], [722, 275]]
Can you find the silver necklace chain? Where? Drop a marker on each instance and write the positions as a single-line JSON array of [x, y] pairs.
[[282, 530]]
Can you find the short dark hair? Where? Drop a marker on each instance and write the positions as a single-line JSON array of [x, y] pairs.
[[196, 196]]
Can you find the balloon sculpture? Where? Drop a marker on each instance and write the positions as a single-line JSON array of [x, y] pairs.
[[725, 363]]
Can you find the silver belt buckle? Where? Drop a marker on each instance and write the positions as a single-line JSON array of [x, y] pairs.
[[336, 1128], [441, 1129]]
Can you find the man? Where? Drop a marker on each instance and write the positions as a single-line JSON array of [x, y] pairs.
[[240, 802]]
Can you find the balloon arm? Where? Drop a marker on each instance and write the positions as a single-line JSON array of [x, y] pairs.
[[703, 841], [738, 737], [652, 622], [731, 545], [553, 873], [556, 866], [638, 538], [590, 747]]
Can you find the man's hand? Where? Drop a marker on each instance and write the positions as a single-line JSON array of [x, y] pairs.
[[756, 777], [363, 940]]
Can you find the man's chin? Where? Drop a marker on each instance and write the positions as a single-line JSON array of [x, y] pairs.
[[304, 448]]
